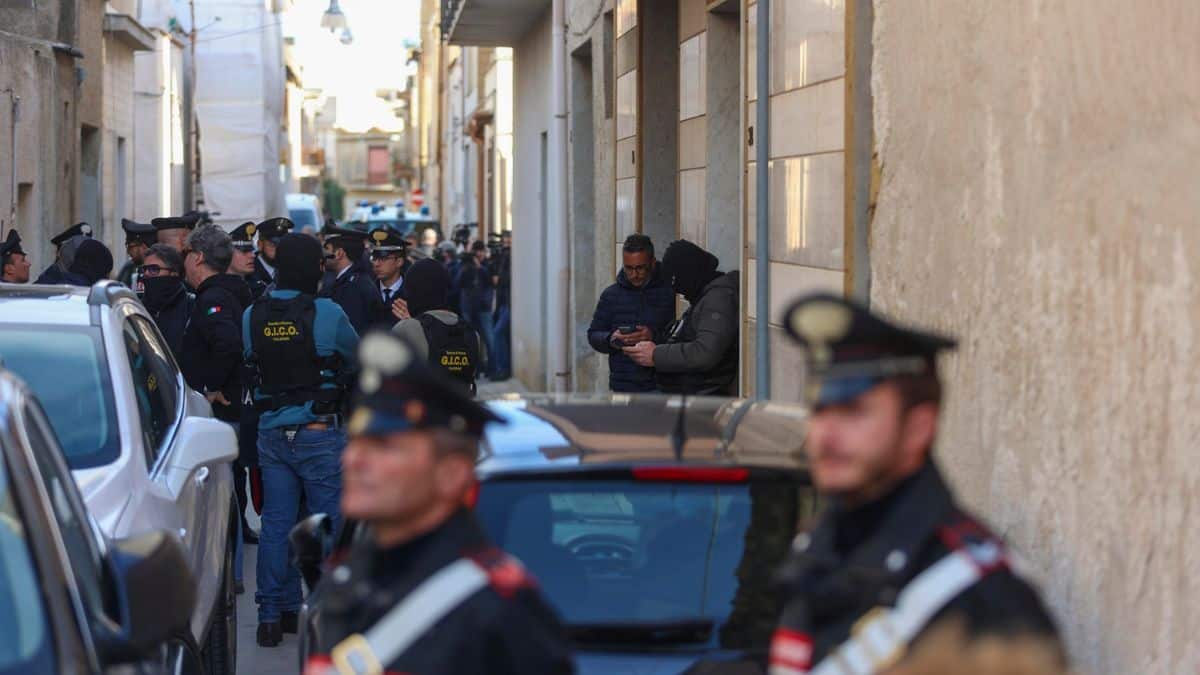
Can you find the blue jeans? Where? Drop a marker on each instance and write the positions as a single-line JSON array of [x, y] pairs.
[[312, 462], [482, 323], [502, 364]]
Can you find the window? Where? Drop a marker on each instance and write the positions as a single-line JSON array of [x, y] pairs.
[[66, 370], [378, 166], [620, 552], [25, 645], [155, 386], [70, 514]]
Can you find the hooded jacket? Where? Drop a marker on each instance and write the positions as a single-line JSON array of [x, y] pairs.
[[623, 304], [57, 272], [93, 261], [211, 358], [700, 356]]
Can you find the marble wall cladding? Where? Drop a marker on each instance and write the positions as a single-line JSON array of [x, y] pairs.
[[809, 120], [693, 206], [693, 136], [693, 75], [627, 52], [627, 158], [627, 15], [787, 364], [626, 208], [807, 43], [807, 223], [627, 108], [788, 282], [692, 20]]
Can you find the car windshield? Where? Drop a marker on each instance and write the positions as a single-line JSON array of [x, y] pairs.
[[65, 368], [626, 561], [303, 217], [24, 632]]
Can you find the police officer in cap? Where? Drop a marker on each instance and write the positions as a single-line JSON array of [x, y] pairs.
[[14, 264], [301, 350], [174, 230], [66, 244], [894, 554], [139, 237], [389, 263], [245, 259], [352, 286], [424, 591], [269, 233]]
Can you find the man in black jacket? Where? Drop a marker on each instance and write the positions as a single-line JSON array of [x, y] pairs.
[[352, 285], [894, 554], [66, 243], [406, 473], [212, 346], [165, 296], [139, 237], [269, 232], [699, 354], [637, 308]]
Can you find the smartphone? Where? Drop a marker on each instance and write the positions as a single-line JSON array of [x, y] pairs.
[[626, 330]]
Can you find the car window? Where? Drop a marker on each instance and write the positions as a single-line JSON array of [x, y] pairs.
[[302, 217], [154, 415], [65, 367], [69, 512], [25, 645], [628, 552], [158, 355]]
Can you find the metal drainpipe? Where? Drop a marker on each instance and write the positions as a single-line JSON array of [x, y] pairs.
[[557, 246], [762, 253]]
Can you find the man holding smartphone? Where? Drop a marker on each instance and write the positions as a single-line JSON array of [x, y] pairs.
[[637, 308]]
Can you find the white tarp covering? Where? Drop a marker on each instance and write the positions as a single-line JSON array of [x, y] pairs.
[[238, 101]]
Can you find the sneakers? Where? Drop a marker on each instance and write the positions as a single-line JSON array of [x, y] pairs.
[[290, 622], [270, 634]]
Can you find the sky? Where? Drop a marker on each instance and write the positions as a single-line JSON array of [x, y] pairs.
[[352, 73]]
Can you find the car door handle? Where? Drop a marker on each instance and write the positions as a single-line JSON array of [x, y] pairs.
[[201, 476]]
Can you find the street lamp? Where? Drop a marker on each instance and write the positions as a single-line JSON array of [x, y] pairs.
[[333, 19]]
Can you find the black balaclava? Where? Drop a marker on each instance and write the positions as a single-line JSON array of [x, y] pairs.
[[298, 263], [427, 286], [160, 292], [93, 261], [689, 268]]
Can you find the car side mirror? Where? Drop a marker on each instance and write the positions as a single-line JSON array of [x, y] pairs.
[[312, 542], [202, 441], [155, 596]]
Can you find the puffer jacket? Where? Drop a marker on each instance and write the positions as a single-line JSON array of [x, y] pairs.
[[700, 356], [623, 304]]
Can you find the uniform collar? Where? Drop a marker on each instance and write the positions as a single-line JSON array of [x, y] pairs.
[[266, 267], [394, 287], [911, 518], [459, 535]]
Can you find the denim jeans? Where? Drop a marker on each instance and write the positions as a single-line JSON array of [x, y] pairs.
[[482, 323], [310, 462], [239, 552], [502, 364]]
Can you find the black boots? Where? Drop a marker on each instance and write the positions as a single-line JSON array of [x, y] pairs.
[[270, 634]]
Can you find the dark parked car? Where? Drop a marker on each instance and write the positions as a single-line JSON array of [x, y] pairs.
[[653, 524], [70, 601]]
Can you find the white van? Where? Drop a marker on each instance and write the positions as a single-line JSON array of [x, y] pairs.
[[305, 211]]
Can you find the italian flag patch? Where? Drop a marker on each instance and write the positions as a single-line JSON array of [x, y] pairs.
[[214, 309]]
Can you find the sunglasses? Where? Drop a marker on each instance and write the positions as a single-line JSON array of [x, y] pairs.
[[151, 271]]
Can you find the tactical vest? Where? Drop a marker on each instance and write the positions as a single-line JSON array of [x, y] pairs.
[[453, 350], [287, 369]]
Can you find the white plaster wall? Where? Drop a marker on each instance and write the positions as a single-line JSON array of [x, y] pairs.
[[1039, 199], [531, 67]]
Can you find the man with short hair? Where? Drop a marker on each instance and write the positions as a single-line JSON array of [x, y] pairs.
[[139, 237], [212, 346], [14, 264], [408, 473], [698, 355], [638, 307], [894, 554], [165, 296], [301, 348], [352, 286]]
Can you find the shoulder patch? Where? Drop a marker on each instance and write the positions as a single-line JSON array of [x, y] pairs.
[[984, 548], [506, 574], [215, 309]]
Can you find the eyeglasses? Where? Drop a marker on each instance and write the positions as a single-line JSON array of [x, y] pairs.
[[330, 256], [636, 269], [151, 271]]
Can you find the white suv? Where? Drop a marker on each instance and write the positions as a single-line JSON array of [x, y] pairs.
[[143, 447]]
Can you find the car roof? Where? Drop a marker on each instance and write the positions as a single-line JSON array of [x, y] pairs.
[[551, 432], [58, 305]]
